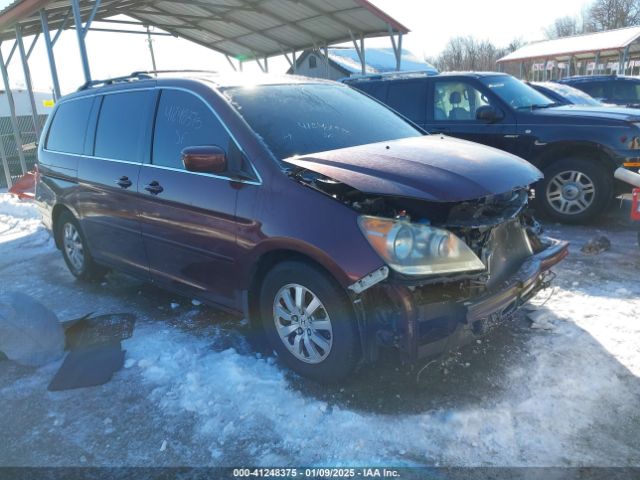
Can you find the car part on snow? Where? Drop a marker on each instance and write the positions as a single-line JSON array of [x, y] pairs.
[[596, 245], [89, 331], [88, 367], [30, 333], [95, 352]]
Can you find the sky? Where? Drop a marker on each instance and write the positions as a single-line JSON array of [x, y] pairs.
[[431, 25]]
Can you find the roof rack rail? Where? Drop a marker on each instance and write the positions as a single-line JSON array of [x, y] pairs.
[[139, 75], [156, 72], [388, 75], [111, 81]]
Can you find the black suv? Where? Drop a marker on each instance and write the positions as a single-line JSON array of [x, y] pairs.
[[577, 147], [615, 89]]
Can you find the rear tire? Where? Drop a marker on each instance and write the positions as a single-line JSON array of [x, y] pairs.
[[309, 321], [75, 250], [574, 190]]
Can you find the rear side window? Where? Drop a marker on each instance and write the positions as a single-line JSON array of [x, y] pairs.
[[69, 126], [375, 89], [409, 98], [123, 122], [183, 120]]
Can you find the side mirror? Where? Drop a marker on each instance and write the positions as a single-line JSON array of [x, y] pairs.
[[489, 113], [205, 159]]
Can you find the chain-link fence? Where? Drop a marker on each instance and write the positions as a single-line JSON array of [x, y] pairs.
[[8, 144]]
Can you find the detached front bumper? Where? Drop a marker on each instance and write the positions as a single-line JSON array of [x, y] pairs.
[[429, 329]]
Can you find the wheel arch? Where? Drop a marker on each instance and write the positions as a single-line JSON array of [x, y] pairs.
[[565, 149], [57, 211], [267, 260]]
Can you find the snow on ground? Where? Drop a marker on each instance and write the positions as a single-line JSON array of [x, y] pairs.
[[196, 391]]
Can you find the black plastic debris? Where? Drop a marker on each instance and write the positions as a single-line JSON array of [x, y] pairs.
[[88, 367], [89, 331], [32, 335], [95, 352]]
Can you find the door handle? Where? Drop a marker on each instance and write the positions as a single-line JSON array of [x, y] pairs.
[[154, 188], [124, 182], [438, 130]]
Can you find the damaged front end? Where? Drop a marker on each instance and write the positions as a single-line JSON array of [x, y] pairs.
[[453, 269]]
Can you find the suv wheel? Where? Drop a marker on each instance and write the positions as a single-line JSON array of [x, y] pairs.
[[75, 251], [574, 190], [309, 322]]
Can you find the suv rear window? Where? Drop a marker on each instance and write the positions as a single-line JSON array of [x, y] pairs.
[[122, 125], [69, 126]]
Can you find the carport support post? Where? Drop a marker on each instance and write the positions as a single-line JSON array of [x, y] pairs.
[[364, 54], [359, 51], [12, 110], [52, 60], [77, 18], [522, 71], [27, 81], [5, 164], [153, 56], [326, 61], [625, 58], [596, 64]]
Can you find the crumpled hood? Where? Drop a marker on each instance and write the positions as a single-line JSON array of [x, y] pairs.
[[433, 168]]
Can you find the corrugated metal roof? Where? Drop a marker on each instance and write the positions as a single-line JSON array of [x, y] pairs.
[[244, 29], [576, 45], [378, 60]]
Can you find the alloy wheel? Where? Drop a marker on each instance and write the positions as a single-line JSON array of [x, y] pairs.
[[73, 246], [570, 192], [302, 323]]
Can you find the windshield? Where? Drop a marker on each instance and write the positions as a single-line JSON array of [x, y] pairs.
[[305, 118], [573, 95], [516, 93]]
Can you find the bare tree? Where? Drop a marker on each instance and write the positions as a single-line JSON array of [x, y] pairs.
[[563, 27], [514, 45], [609, 14], [467, 53]]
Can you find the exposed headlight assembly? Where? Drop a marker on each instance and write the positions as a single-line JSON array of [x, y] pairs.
[[414, 249]]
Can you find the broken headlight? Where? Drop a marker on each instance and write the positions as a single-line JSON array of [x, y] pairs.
[[414, 249]]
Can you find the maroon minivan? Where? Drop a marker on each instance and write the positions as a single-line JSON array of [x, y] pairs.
[[329, 220]]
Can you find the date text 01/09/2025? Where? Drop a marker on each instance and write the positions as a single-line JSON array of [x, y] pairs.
[[315, 473]]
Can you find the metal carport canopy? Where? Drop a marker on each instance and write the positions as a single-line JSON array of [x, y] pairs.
[[579, 46], [243, 29]]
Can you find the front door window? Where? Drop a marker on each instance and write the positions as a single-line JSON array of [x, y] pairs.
[[457, 101]]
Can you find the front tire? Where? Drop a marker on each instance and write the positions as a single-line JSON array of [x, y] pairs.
[[309, 321], [75, 250], [574, 190]]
